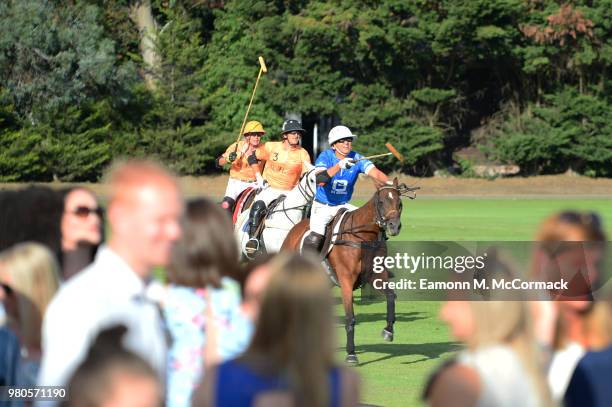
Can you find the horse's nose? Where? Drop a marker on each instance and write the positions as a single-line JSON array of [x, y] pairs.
[[394, 228]]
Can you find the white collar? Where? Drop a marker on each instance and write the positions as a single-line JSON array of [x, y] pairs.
[[117, 270]]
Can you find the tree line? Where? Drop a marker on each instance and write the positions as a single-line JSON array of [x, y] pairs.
[[82, 82]]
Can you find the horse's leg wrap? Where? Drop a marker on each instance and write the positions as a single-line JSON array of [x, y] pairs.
[[349, 325], [257, 212], [228, 204]]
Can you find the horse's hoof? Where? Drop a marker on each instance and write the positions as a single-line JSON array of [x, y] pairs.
[[387, 335], [351, 359]]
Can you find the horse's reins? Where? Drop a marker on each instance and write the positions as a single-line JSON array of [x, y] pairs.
[[307, 194], [380, 220]]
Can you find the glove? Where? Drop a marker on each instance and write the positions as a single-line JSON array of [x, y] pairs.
[[261, 182], [346, 163], [232, 157]]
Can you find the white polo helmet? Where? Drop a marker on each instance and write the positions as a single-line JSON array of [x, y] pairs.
[[338, 133]]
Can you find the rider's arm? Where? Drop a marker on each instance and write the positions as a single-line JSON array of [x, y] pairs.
[[324, 177], [377, 174], [254, 162]]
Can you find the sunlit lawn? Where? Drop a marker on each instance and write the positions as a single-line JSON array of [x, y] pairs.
[[394, 373]]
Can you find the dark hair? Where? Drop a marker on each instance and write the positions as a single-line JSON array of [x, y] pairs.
[[92, 382], [32, 214], [207, 249]]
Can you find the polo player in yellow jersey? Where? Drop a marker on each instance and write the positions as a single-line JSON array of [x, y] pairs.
[[242, 174], [284, 164]]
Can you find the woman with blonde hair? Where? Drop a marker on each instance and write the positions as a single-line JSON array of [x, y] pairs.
[[501, 365], [290, 361], [570, 245], [32, 273]]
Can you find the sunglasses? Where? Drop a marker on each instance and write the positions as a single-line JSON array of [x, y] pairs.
[[84, 211], [345, 141], [7, 289], [253, 135]]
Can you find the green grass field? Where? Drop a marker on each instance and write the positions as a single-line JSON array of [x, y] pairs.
[[393, 374]]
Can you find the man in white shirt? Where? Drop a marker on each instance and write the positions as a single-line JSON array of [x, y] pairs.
[[144, 212]]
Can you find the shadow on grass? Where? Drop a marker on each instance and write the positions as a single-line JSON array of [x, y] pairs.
[[429, 351], [382, 317]]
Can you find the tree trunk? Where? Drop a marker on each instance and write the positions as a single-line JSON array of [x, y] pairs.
[[142, 15]]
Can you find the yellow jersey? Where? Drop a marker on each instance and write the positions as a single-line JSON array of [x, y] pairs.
[[240, 168], [283, 167]]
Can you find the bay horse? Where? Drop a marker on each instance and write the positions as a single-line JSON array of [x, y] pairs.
[[361, 236]]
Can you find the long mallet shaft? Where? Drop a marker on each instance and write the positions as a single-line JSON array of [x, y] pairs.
[[392, 151], [262, 69]]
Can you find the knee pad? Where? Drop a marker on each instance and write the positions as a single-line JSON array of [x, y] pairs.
[[227, 203], [314, 238]]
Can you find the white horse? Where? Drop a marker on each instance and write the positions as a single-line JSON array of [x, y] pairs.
[[283, 217]]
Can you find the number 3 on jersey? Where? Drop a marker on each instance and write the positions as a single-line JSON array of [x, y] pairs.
[[339, 186]]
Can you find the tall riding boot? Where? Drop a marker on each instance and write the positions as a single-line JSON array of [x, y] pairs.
[[312, 242], [255, 217]]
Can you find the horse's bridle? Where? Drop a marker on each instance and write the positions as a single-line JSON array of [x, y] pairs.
[[381, 219]]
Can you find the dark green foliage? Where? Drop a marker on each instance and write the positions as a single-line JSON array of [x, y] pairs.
[[532, 77]]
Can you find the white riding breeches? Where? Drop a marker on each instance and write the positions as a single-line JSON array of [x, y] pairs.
[[235, 187], [269, 194], [322, 214]]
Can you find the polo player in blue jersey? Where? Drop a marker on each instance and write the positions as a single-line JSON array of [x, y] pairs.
[[339, 169]]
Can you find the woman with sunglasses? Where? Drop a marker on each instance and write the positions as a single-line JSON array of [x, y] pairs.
[[81, 230], [242, 174], [340, 167]]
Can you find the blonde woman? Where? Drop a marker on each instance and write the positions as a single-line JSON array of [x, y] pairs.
[[571, 244], [32, 273], [290, 361], [500, 365]]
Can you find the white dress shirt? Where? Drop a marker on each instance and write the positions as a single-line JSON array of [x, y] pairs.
[[107, 292]]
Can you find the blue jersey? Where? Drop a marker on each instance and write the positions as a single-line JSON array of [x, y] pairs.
[[339, 189]]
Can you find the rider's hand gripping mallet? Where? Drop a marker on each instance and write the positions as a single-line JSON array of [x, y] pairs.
[[262, 69], [392, 151]]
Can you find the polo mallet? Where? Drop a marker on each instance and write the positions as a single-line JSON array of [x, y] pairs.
[[392, 151], [262, 69]]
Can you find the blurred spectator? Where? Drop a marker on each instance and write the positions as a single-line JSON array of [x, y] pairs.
[[565, 325], [590, 383], [30, 277], [31, 214], [501, 365], [144, 213], [258, 275], [9, 357], [290, 360], [111, 376], [63, 221], [202, 304], [81, 230]]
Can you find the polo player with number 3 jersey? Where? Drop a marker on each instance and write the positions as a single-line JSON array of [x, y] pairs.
[[285, 162], [242, 174], [339, 169]]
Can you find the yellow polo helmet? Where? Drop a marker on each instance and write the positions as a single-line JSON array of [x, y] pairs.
[[253, 127]]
